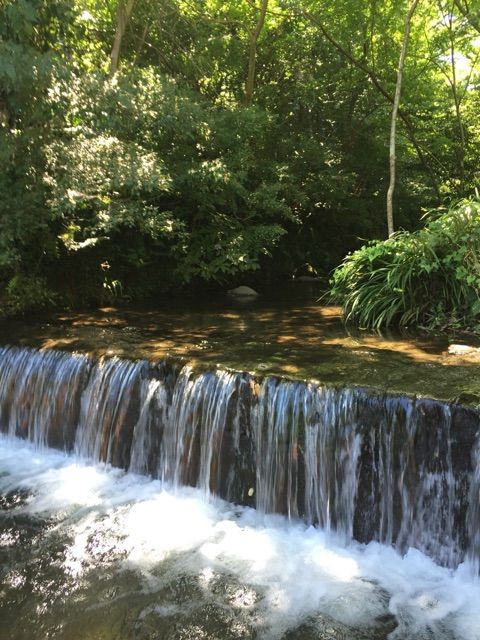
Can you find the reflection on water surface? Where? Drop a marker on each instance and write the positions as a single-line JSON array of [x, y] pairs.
[[284, 331]]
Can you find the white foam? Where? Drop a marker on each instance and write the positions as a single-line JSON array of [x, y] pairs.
[[299, 570]]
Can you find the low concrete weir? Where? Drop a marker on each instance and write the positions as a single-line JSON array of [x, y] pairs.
[[367, 464]]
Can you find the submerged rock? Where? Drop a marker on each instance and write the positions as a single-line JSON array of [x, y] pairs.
[[243, 291]]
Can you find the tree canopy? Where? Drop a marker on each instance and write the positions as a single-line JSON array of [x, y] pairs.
[[148, 144]]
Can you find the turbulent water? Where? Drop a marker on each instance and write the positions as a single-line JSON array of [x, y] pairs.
[[91, 552], [366, 465], [144, 546]]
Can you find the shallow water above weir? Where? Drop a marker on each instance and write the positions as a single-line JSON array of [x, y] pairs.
[[90, 552], [284, 331]]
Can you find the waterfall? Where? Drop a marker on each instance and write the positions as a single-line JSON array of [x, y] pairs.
[[332, 448], [105, 422], [473, 516], [40, 393], [194, 430], [364, 464]]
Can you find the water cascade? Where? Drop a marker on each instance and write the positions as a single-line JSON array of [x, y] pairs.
[[368, 465]]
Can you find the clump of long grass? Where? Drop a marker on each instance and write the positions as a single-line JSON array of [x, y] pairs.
[[429, 277]]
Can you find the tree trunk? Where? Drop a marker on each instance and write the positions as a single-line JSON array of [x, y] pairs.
[[370, 72], [252, 57], [396, 103], [460, 146], [141, 44], [124, 12]]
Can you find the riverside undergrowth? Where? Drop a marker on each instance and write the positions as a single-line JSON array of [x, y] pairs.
[[429, 277]]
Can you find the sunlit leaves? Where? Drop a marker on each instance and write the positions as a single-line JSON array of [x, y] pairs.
[[163, 168], [106, 184]]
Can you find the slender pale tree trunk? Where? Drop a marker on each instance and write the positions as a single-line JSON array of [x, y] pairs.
[[252, 56], [457, 101], [396, 104], [124, 11], [422, 153]]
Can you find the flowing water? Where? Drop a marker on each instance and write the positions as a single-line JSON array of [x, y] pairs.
[[284, 331], [91, 551]]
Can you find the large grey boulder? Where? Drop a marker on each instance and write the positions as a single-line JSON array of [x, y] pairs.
[[243, 292]]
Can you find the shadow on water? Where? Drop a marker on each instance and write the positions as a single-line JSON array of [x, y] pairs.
[[284, 332]]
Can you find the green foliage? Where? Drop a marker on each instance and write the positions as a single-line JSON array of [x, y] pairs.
[[148, 177], [99, 184], [27, 293], [429, 277], [28, 32], [124, 187]]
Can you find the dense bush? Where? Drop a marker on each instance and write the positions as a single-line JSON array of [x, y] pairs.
[[150, 178], [28, 293], [161, 174], [429, 277]]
